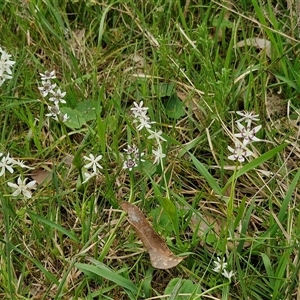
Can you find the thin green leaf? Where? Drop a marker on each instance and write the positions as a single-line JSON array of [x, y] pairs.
[[203, 171], [103, 271], [54, 225]]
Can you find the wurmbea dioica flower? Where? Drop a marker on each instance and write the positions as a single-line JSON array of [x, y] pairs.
[[247, 133], [8, 163], [156, 135], [22, 188], [46, 87], [56, 96], [240, 152], [133, 155], [158, 155], [220, 265], [5, 66], [248, 117], [92, 164], [48, 75], [227, 274], [139, 113]]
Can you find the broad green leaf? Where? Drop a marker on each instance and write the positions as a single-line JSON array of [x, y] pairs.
[[179, 286], [75, 120], [87, 109], [175, 107]]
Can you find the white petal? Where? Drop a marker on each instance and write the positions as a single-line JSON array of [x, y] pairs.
[[13, 185], [27, 194], [31, 184]]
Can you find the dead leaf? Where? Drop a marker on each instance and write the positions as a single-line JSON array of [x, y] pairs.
[[160, 255], [41, 175], [257, 43]]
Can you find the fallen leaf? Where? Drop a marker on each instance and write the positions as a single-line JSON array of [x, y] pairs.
[[160, 255], [41, 175], [258, 43]]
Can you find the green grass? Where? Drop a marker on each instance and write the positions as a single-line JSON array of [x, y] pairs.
[[72, 240]]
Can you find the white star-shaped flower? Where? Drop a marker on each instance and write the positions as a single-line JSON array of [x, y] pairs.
[[248, 117], [247, 133], [227, 274], [239, 153], [6, 163], [54, 112], [5, 63], [158, 156], [48, 75], [46, 88], [138, 110], [57, 96], [220, 264], [93, 162], [88, 176], [144, 122], [129, 164], [156, 135], [22, 188]]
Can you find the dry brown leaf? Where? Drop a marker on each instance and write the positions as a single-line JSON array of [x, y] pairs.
[[160, 255], [258, 43], [41, 175]]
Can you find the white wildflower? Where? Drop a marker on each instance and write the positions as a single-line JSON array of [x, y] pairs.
[[132, 150], [22, 188], [158, 155], [5, 66], [54, 112], [248, 117], [247, 133], [144, 123], [88, 176], [48, 75], [64, 117], [129, 164], [219, 264], [156, 135], [93, 162], [57, 96], [138, 110], [20, 163], [239, 153], [227, 274], [46, 88], [6, 163]]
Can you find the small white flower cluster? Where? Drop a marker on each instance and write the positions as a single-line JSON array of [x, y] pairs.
[[92, 167], [220, 265], [139, 113], [5, 66], [8, 163], [47, 88], [133, 155], [247, 133]]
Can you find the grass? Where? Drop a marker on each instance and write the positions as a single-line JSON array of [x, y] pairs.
[[72, 240]]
